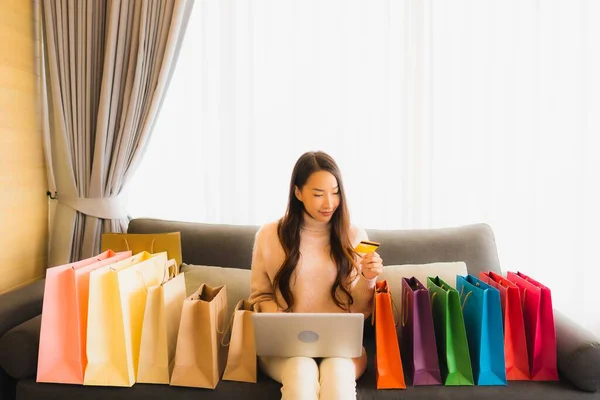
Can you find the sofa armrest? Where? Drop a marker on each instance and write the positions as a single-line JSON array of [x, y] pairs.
[[578, 355], [21, 305]]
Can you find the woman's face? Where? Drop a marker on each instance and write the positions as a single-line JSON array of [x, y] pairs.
[[320, 195]]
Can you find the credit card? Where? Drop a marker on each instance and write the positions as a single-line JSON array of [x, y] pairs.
[[366, 246]]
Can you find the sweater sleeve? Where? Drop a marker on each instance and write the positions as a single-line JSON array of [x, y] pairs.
[[364, 289], [261, 287]]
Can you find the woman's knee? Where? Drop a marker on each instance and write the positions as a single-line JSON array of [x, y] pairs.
[[305, 366], [300, 378], [337, 378]]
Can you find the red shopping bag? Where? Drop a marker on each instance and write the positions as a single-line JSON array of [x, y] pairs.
[[539, 327], [515, 343], [388, 363]]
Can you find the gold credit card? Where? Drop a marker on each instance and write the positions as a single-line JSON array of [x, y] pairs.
[[366, 246]]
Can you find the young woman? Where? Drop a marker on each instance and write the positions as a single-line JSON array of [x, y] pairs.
[[306, 262]]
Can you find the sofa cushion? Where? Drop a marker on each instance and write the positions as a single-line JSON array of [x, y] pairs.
[[19, 349], [237, 281], [447, 271]]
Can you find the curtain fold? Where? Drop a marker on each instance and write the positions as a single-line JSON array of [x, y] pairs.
[[108, 64]]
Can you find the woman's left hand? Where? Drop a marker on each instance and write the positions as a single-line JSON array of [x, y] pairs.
[[372, 265]]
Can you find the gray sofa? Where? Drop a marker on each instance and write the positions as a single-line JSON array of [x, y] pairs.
[[231, 246]]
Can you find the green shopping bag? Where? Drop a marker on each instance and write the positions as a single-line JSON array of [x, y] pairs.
[[450, 334]]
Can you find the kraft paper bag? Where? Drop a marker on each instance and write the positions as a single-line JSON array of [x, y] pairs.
[[200, 356], [241, 358]]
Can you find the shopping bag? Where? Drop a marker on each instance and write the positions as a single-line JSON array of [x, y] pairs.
[[61, 357], [482, 313], [450, 334], [162, 315], [515, 344], [539, 326], [417, 335], [388, 361], [200, 356], [117, 302], [241, 356], [150, 242]]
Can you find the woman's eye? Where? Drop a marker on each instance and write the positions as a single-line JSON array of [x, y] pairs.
[[318, 195]]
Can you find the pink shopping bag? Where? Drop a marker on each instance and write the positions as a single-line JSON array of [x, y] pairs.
[[539, 327], [62, 355]]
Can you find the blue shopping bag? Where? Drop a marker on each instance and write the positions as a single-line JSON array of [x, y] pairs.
[[482, 312]]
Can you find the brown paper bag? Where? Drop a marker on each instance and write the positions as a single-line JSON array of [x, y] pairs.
[[200, 357], [241, 360], [164, 303]]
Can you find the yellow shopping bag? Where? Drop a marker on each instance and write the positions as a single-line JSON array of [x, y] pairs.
[[117, 301], [160, 328], [150, 242]]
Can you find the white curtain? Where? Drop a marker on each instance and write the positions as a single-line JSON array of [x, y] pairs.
[[439, 114]]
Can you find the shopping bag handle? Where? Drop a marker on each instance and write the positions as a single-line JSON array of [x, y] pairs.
[[432, 297], [151, 246], [170, 265], [394, 307], [223, 330], [239, 306], [462, 291], [405, 309]]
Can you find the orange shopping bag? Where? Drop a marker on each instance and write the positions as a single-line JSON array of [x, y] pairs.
[[388, 363], [62, 357]]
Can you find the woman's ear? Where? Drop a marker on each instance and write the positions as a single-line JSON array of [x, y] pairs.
[[298, 193]]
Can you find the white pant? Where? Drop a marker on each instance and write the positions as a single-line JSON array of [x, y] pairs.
[[303, 379]]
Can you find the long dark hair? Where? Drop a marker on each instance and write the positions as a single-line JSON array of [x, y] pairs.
[[288, 230]]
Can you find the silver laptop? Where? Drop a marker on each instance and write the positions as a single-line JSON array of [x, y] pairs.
[[309, 334]]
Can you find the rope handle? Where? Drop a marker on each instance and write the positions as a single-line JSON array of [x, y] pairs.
[[223, 314], [432, 297], [394, 307], [462, 291], [229, 328], [405, 309], [151, 246]]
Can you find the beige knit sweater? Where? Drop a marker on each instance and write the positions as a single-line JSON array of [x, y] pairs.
[[314, 275]]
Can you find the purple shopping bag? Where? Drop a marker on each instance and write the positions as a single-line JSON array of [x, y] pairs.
[[417, 335]]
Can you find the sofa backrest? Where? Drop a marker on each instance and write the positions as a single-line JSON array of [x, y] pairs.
[[231, 245]]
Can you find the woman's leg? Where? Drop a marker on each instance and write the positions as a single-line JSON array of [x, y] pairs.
[[298, 375], [338, 377]]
